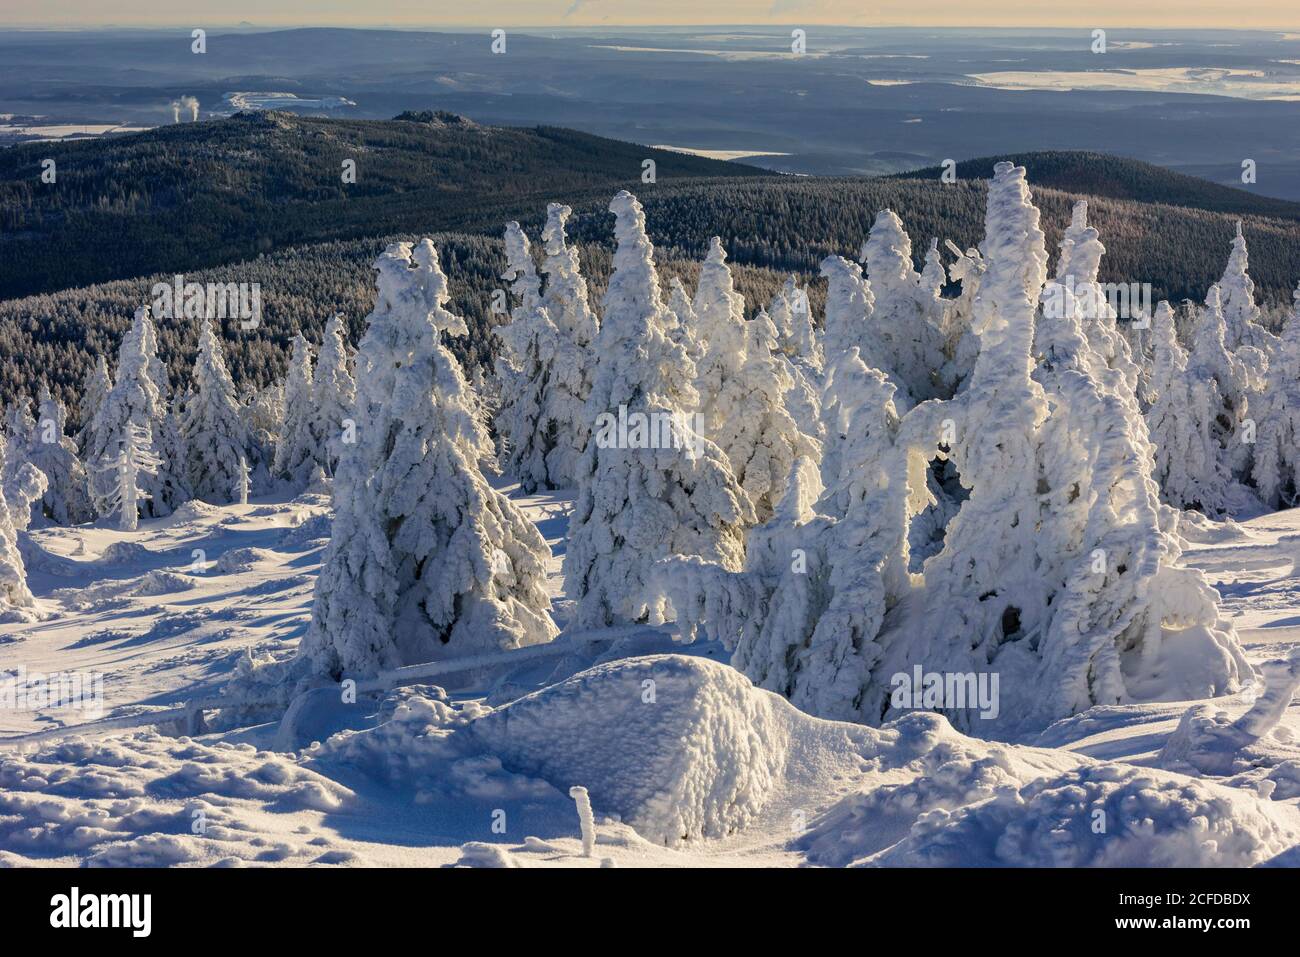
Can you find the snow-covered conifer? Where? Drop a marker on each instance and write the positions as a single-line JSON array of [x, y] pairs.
[[760, 438], [426, 560], [1277, 451], [1241, 312], [566, 304], [67, 495], [531, 342], [906, 319], [300, 448], [640, 500], [215, 436], [168, 484], [133, 403], [333, 392], [94, 391], [1188, 467], [21, 484], [126, 472]]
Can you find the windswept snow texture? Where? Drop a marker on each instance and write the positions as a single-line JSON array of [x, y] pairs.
[[685, 762]]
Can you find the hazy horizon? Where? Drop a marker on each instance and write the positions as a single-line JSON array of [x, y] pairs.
[[408, 14]]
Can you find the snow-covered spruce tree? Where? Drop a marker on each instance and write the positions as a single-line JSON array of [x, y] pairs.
[[906, 319], [803, 344], [333, 392], [1277, 450], [168, 484], [427, 560], [960, 340], [566, 304], [300, 449], [1230, 378], [132, 402], [128, 471], [67, 495], [1078, 268], [1188, 467], [761, 440], [1241, 312], [933, 276], [262, 412], [746, 416], [781, 311], [215, 436], [21, 484], [640, 500], [531, 342], [720, 323], [94, 391], [682, 321]]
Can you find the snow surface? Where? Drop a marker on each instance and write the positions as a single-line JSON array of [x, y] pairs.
[[686, 763]]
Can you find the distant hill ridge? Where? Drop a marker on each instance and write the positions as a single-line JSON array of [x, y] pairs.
[[1118, 177], [195, 195]]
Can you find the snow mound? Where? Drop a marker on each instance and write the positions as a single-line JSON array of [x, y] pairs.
[[163, 583], [239, 560], [194, 511], [1100, 815], [312, 531], [680, 748], [125, 553]]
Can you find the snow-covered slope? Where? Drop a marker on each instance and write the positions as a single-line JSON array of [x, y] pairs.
[[685, 761]]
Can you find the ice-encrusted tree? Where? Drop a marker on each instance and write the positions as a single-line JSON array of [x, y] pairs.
[[67, 496], [849, 305], [1276, 469], [300, 449], [906, 318], [132, 404], [960, 341], [531, 342], [720, 321], [1188, 467], [263, 415], [426, 560], [1078, 269], [127, 473], [760, 438], [94, 391], [682, 321], [1229, 377], [1241, 312], [655, 491], [21, 484], [168, 484], [566, 304], [215, 436], [333, 392], [933, 276]]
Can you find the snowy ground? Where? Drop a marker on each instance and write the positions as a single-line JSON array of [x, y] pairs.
[[686, 763]]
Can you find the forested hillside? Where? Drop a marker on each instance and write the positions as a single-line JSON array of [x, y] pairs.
[[195, 195]]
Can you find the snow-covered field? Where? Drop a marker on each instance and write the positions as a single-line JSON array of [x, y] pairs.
[[685, 761]]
